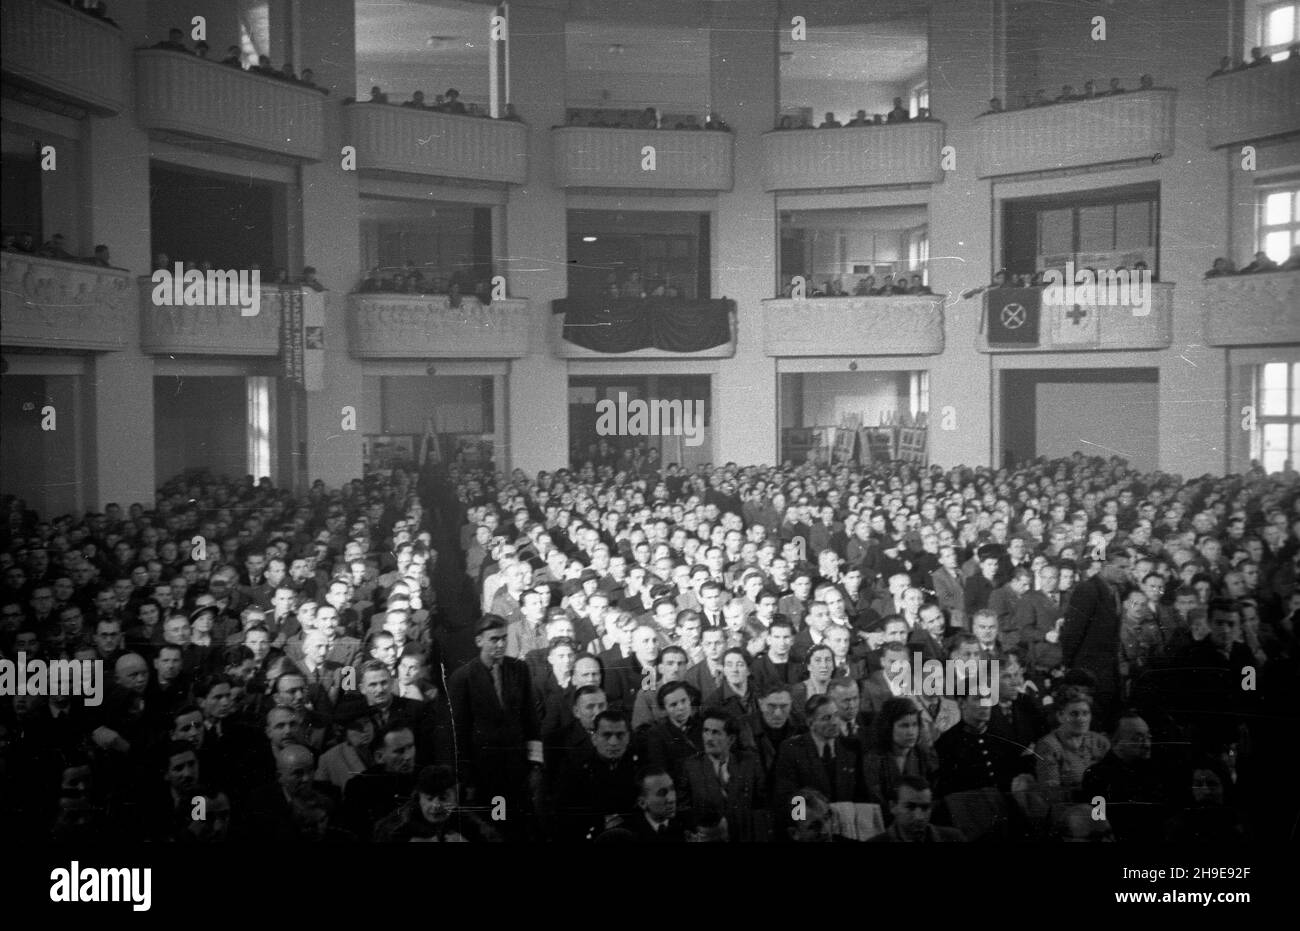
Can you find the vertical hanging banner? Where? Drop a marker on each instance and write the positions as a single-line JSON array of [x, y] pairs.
[[291, 336], [313, 339]]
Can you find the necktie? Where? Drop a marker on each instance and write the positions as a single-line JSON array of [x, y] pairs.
[[723, 776], [496, 684], [828, 763]]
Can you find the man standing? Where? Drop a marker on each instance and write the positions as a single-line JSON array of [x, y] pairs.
[[496, 723], [1090, 635]]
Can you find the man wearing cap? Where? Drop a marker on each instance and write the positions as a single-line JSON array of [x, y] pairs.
[[352, 755], [497, 729]]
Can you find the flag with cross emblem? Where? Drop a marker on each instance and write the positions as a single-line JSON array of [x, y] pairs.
[[1012, 315], [1075, 323]]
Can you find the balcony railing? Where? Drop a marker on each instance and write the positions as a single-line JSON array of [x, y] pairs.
[[1254, 103], [854, 326], [1085, 328], [644, 328], [210, 330], [892, 153], [682, 161], [408, 326], [1138, 124], [64, 53], [191, 96], [1241, 310], [403, 139], [69, 306]]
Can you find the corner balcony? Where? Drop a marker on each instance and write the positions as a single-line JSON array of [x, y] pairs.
[[65, 306], [187, 95], [443, 145], [852, 157], [643, 328], [685, 161], [210, 330], [899, 325], [426, 326], [1254, 103], [1137, 124], [1095, 327], [56, 50], [1245, 310]]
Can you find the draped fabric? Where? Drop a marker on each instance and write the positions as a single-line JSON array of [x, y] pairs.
[[626, 324]]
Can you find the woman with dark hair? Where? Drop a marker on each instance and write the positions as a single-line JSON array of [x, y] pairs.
[[896, 751], [1210, 815], [820, 662]]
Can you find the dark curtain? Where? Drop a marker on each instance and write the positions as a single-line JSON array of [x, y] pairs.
[[626, 324]]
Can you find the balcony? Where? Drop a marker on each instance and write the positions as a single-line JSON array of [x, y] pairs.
[[685, 161], [1254, 103], [1071, 328], [184, 94], [210, 330], [901, 325], [56, 50], [66, 306], [643, 328], [1138, 124], [409, 326], [443, 145], [1243, 310], [851, 157]]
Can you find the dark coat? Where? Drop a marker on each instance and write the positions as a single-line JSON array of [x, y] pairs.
[[799, 766], [1090, 635], [491, 736]]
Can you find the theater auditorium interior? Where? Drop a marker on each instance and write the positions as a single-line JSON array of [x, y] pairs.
[[669, 409]]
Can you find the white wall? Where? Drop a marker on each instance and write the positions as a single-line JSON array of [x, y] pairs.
[[1099, 420], [827, 397]]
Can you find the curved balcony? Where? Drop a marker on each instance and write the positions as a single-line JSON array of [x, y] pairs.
[[411, 326], [1254, 103], [850, 157], [67, 306], [898, 325], [1094, 327], [1245, 310], [59, 51], [422, 142], [643, 328], [210, 330], [1138, 124], [685, 161], [207, 100]]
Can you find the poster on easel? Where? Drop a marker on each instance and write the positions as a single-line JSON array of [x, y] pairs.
[[846, 440]]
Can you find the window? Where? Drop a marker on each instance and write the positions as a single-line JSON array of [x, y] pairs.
[[1107, 228], [1279, 26], [1276, 400], [1279, 220], [259, 426]]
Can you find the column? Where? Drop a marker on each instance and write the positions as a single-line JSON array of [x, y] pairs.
[[743, 89], [533, 254]]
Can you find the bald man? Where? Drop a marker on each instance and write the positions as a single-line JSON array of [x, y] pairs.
[[270, 805]]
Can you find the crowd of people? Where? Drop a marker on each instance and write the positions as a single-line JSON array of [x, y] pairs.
[[53, 248], [660, 655], [899, 114], [175, 42], [418, 279], [866, 286], [449, 102], [1257, 60], [648, 118], [1068, 94], [95, 8], [1224, 267]]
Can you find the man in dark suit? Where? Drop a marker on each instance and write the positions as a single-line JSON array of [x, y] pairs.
[[270, 806], [496, 725], [657, 821], [723, 780], [601, 792], [820, 758], [774, 666], [911, 807], [1090, 635]]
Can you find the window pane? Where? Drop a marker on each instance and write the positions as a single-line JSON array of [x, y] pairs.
[[1277, 208], [1273, 390], [1278, 245], [1280, 26], [1276, 446], [1056, 231], [1295, 389], [1133, 225]]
